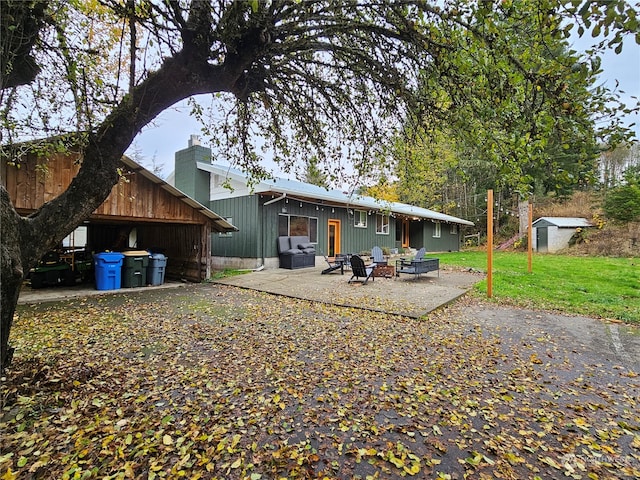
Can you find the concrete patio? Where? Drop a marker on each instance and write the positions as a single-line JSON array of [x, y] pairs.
[[405, 295]]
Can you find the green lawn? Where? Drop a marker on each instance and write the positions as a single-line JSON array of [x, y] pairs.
[[593, 286]]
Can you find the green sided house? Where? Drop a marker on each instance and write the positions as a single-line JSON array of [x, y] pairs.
[[333, 221]]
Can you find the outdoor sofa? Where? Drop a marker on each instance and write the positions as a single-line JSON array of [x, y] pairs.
[[296, 252], [418, 265]]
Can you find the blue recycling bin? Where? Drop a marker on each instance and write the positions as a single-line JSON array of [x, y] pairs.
[[108, 267], [156, 269]]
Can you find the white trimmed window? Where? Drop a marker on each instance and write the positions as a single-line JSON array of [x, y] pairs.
[[382, 224], [360, 219], [437, 230], [293, 225]]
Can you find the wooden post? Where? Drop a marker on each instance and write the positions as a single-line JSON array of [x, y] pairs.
[[489, 243], [530, 237]]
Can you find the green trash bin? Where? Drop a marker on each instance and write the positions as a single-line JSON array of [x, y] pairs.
[[134, 268]]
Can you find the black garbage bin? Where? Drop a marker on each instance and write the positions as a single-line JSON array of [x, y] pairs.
[[156, 269], [134, 268]]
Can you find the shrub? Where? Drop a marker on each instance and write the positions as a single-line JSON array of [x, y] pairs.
[[579, 237], [623, 203]]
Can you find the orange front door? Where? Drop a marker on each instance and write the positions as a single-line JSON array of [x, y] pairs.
[[334, 237], [405, 233]]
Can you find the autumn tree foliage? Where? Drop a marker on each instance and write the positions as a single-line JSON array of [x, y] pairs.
[[289, 72], [492, 124]]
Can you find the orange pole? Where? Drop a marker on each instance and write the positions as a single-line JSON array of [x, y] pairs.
[[489, 243], [530, 237]]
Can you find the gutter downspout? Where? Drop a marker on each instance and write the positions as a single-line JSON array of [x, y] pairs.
[[274, 200], [263, 240]]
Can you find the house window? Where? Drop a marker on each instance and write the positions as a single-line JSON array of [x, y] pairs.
[[227, 234], [297, 225], [360, 219], [382, 224], [437, 230], [454, 229]]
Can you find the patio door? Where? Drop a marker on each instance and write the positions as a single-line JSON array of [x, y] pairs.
[[405, 233], [334, 237]]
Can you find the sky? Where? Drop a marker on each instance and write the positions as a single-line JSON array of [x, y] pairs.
[[170, 132]]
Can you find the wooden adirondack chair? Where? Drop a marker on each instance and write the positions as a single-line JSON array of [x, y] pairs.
[[377, 256], [361, 271], [333, 266]]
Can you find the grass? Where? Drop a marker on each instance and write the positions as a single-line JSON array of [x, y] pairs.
[[227, 272], [593, 286]]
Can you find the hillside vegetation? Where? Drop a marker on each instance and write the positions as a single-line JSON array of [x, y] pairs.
[[607, 238]]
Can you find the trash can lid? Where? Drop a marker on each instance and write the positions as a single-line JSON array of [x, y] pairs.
[[109, 255], [136, 253], [158, 256]]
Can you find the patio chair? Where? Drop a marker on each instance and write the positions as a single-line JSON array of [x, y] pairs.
[[377, 256], [360, 270], [406, 262], [333, 266]]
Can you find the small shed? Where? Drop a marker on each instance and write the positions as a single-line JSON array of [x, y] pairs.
[[551, 234]]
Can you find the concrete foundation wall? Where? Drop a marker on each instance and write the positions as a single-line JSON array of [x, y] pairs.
[[239, 263]]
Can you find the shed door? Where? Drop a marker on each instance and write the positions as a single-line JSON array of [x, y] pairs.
[[542, 239]]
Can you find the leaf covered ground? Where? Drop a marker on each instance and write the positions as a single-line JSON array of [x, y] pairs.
[[209, 381]]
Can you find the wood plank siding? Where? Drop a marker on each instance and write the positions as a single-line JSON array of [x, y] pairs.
[[133, 198]]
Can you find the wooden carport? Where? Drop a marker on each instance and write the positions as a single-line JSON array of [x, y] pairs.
[[163, 218]]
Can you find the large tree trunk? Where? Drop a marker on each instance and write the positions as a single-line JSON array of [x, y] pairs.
[[11, 275]]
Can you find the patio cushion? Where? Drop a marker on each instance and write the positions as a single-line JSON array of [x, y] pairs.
[[283, 244], [310, 250], [305, 245], [292, 251], [297, 240]]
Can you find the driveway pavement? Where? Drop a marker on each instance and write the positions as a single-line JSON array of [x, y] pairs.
[[610, 345], [534, 392], [598, 340]]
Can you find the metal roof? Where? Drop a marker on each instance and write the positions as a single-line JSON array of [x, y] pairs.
[[219, 224], [300, 190], [562, 222]]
